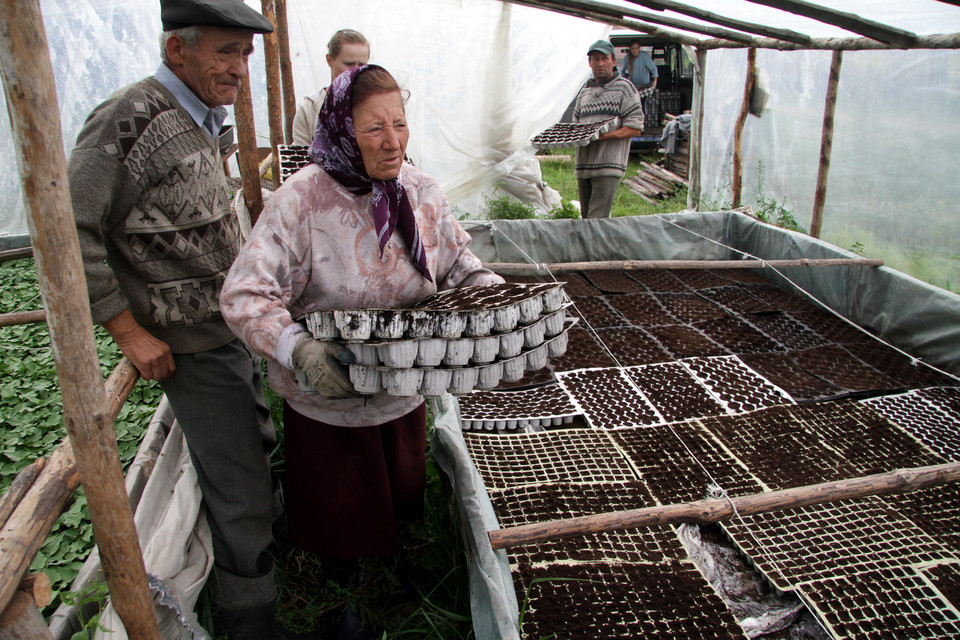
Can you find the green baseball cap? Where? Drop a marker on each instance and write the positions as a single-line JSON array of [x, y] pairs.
[[602, 46]]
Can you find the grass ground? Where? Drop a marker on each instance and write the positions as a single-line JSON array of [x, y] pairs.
[[559, 175]]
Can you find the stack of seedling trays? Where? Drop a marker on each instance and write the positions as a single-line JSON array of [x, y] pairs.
[[572, 134], [293, 157], [454, 341]]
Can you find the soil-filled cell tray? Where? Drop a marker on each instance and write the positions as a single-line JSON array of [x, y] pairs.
[[946, 579], [571, 134], [738, 388], [743, 276], [690, 308], [614, 281], [675, 392], [547, 406], [683, 341], [596, 313], [927, 420], [583, 352], [783, 371], [736, 300], [662, 456], [292, 159], [632, 346], [736, 335], [529, 505], [864, 437], [702, 278], [777, 298], [659, 280], [896, 365], [608, 399], [785, 331], [641, 309], [622, 601], [570, 455], [892, 603], [823, 541], [827, 324], [777, 450], [838, 366], [935, 510]]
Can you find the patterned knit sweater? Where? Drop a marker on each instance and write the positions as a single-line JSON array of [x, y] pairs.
[[154, 219], [616, 98]]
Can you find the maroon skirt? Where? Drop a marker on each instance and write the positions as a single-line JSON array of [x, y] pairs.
[[346, 487]]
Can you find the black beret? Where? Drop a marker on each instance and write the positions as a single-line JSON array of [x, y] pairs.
[[226, 14]]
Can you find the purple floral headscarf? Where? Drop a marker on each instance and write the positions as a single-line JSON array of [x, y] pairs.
[[335, 149]]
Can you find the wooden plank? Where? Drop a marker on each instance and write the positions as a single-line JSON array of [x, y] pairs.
[[851, 22], [38, 587], [286, 70], [663, 187], [737, 180], [558, 267], [826, 144], [641, 194], [16, 254], [34, 117], [642, 187], [710, 511], [740, 25], [22, 317], [663, 174]]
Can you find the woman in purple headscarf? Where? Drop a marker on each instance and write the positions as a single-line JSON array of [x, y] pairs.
[[358, 228]]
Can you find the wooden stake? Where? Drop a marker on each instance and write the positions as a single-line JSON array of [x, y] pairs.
[[709, 511], [18, 488], [826, 144], [696, 132], [286, 71], [34, 118], [22, 317], [22, 620], [38, 586], [626, 265], [737, 183], [271, 54], [247, 154]]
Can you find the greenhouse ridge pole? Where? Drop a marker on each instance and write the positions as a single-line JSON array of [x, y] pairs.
[[826, 144], [35, 120]]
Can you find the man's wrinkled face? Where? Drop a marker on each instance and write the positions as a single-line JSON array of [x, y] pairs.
[[215, 68], [601, 64]]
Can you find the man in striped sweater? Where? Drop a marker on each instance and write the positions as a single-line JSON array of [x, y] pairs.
[[602, 163]]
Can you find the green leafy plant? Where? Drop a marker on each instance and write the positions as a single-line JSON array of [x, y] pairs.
[[857, 248], [770, 209], [564, 210], [95, 593], [504, 207]]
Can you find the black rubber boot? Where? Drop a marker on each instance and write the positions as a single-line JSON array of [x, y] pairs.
[[342, 573], [244, 608], [351, 626]]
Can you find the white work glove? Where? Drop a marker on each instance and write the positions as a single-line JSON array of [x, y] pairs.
[[323, 363]]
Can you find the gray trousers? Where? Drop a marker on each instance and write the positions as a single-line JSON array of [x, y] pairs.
[[218, 399], [597, 196]]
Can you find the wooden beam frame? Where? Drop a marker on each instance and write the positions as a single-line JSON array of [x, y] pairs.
[[627, 265], [899, 38], [826, 144], [286, 70], [751, 79], [271, 56], [740, 25], [939, 41]]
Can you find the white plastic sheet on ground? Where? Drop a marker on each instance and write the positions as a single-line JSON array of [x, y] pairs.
[[174, 537]]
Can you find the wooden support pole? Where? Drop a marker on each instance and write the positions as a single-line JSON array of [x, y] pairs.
[[271, 54], [38, 587], [22, 620], [34, 117], [709, 511], [737, 182], [826, 144], [247, 153], [286, 71], [22, 317], [696, 132], [626, 265]]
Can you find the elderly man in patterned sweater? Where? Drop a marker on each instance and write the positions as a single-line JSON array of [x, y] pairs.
[[602, 163], [158, 236]]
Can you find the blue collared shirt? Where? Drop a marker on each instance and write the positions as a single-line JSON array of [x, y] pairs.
[[189, 100]]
